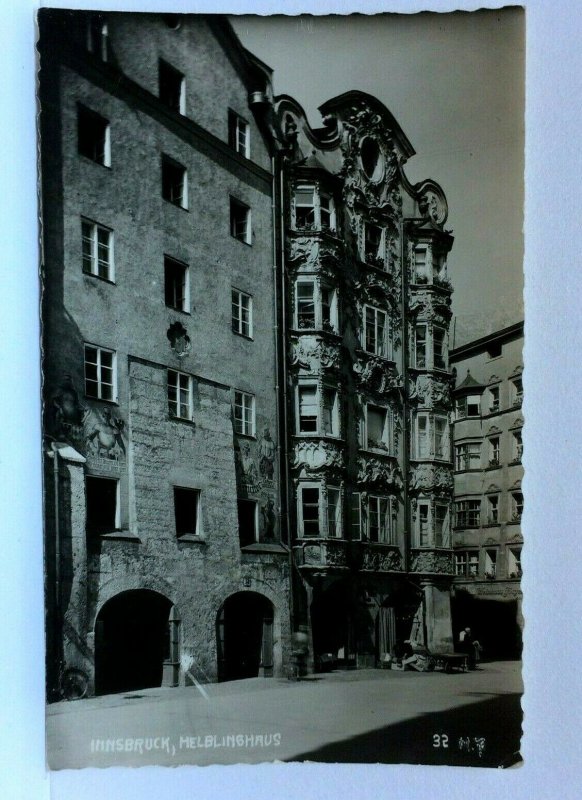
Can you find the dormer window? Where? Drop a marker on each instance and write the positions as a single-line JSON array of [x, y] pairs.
[[313, 209]]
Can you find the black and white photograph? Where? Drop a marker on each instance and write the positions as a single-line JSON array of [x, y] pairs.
[[282, 354]]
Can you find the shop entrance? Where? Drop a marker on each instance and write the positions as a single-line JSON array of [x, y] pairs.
[[132, 641], [245, 637]]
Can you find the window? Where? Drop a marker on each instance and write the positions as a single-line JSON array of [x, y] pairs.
[[308, 409], [517, 447], [97, 36], [174, 182], [493, 509], [102, 496], [494, 350], [100, 373], [316, 306], [490, 563], [377, 428], [239, 134], [432, 524], [172, 87], [373, 245], [334, 513], [494, 451], [176, 288], [442, 525], [305, 305], [429, 344], [187, 511], [376, 332], [468, 456], [242, 313], [514, 562], [240, 221], [309, 511], [468, 406], [420, 347], [378, 519], [313, 209], [431, 437], [517, 392], [467, 563], [516, 505], [439, 348], [248, 529], [421, 264], [468, 513], [180, 395], [318, 410], [94, 140], [244, 413], [97, 250], [493, 399], [423, 524], [330, 420]]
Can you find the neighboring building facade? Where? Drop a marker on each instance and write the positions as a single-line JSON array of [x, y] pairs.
[[488, 494], [247, 394], [161, 410]]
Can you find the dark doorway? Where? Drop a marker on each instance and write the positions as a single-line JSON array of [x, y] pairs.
[[132, 641], [245, 637], [493, 622]]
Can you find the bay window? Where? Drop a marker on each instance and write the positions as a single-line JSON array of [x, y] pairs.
[[319, 511], [317, 410], [431, 436], [373, 245], [316, 306], [313, 208], [429, 347], [376, 428], [432, 524]]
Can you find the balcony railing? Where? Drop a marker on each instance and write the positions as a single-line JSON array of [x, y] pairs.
[[342, 554]]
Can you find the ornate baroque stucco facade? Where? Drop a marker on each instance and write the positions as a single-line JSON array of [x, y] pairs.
[[368, 387], [246, 382]]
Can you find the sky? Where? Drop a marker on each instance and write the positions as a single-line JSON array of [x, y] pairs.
[[455, 83]]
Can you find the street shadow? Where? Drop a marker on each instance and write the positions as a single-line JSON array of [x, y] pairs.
[[482, 734]]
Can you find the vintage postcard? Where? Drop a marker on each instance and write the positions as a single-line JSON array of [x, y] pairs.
[[282, 329]]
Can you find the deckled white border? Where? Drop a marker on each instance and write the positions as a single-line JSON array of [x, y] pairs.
[[553, 484]]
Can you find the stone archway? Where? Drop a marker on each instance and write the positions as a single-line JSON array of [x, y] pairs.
[[134, 639], [244, 634]]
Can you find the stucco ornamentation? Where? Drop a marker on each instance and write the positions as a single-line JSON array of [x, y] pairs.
[[433, 206], [376, 473], [316, 455], [313, 354], [429, 561], [376, 376], [427, 306], [430, 391], [380, 559], [424, 477]]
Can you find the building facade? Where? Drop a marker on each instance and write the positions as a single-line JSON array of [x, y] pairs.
[[246, 387], [487, 434]]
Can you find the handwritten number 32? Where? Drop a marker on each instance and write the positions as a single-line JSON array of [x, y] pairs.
[[440, 740]]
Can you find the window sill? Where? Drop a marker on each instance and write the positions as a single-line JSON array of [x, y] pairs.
[[252, 437], [315, 435], [99, 278], [242, 335], [101, 400], [176, 205], [182, 420], [89, 160], [179, 310], [387, 359], [377, 451], [242, 241], [264, 547], [121, 535], [469, 469], [194, 538]]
